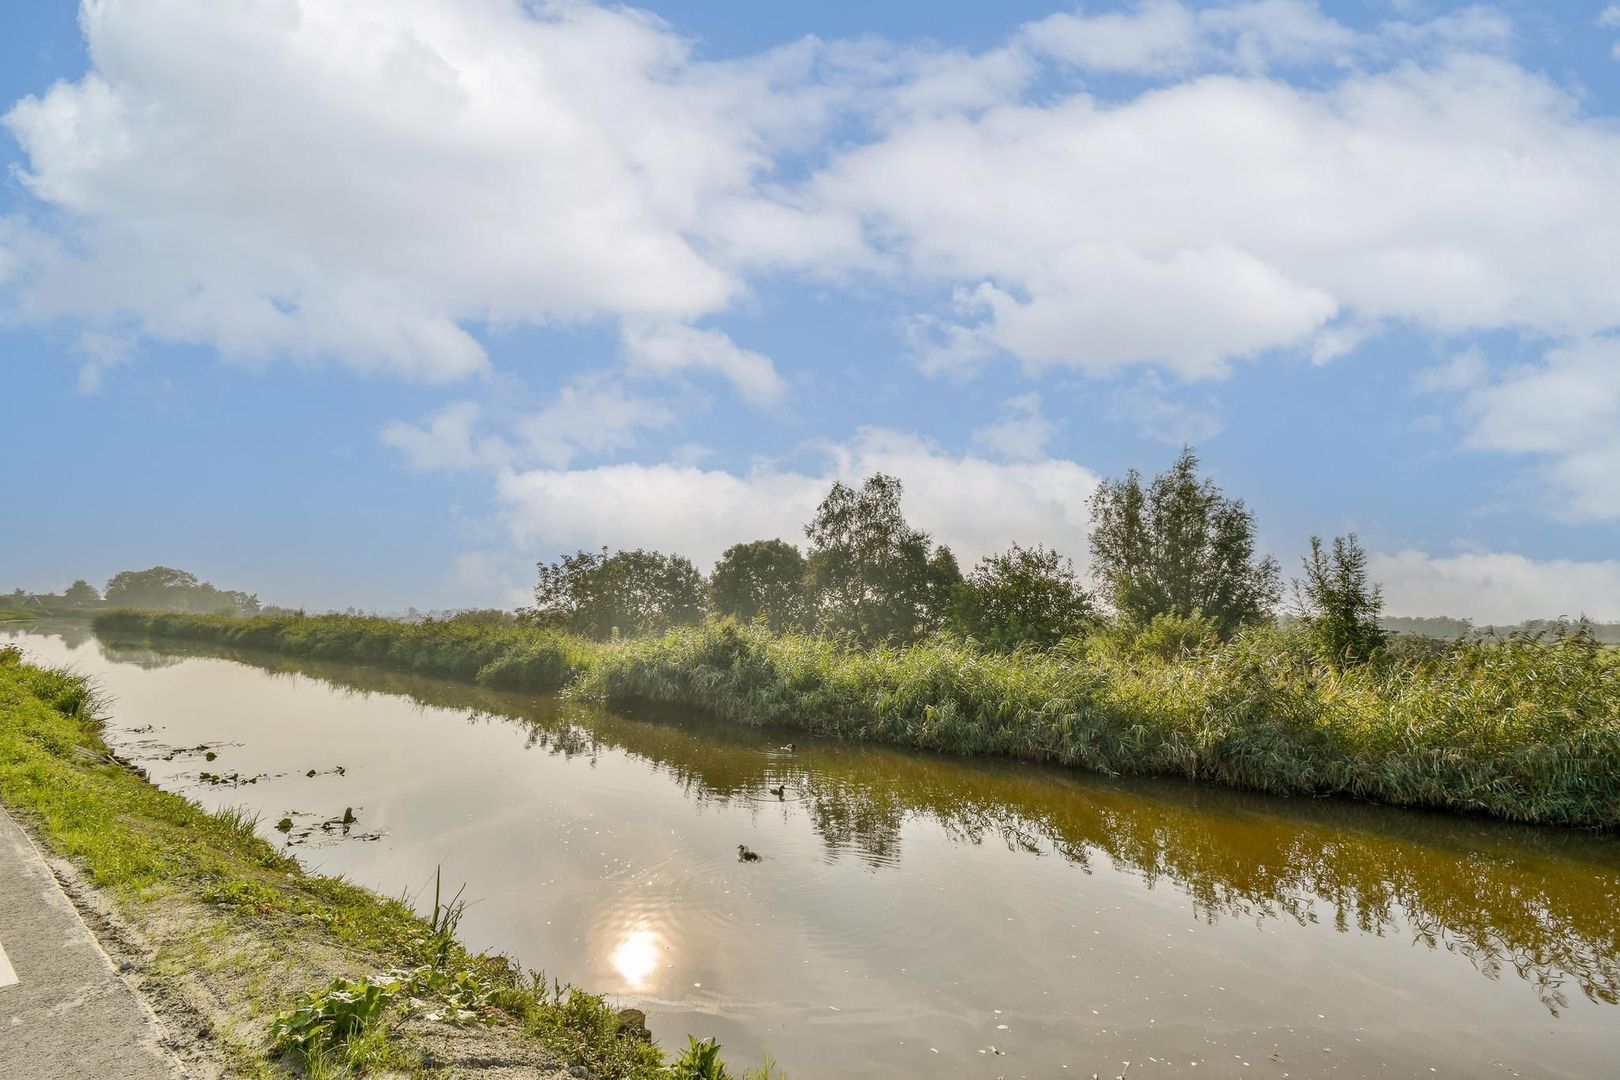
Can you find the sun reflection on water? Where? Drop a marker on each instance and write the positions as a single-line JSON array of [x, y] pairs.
[[636, 957]]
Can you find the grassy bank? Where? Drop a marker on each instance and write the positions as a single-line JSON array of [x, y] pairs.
[[1523, 729], [285, 970], [13, 615]]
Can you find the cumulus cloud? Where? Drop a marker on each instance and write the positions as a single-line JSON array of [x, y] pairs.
[[668, 349], [382, 178], [375, 182], [1160, 413], [972, 503], [1495, 587], [1021, 434], [1165, 37], [448, 441], [1564, 409], [592, 415], [359, 181], [1222, 216]]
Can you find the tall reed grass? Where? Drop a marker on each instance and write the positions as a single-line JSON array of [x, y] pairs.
[[509, 656], [1519, 728]]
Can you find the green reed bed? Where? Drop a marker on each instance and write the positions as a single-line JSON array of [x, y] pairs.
[[509, 656], [1518, 728]]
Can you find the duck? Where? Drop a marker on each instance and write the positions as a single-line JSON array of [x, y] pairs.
[[780, 791], [744, 855], [789, 748]]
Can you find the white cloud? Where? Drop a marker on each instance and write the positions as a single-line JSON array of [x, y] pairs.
[[1148, 404], [1159, 36], [381, 172], [1494, 587], [1463, 371], [448, 441], [1021, 434], [669, 349], [385, 175], [1609, 16], [98, 354], [1566, 410], [1221, 216], [592, 415], [974, 504]]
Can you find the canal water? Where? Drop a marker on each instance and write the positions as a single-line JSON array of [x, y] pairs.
[[910, 915]]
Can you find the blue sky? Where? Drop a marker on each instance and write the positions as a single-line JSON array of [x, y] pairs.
[[376, 304]]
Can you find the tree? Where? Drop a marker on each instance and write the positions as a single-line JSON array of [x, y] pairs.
[[175, 590], [760, 580], [630, 592], [1340, 608], [1024, 596], [81, 594], [1180, 547], [159, 587], [869, 572]]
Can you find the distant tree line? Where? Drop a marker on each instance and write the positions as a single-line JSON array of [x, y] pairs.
[[1174, 559], [161, 588], [1442, 626]]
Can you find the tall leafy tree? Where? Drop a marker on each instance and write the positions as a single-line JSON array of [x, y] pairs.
[[869, 572], [81, 593], [1339, 605], [159, 587], [764, 580], [1180, 547], [628, 592], [168, 589], [1023, 596]]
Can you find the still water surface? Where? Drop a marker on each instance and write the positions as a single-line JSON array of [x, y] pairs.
[[912, 916]]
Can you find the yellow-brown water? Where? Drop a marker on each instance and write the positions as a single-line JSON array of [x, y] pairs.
[[911, 915]]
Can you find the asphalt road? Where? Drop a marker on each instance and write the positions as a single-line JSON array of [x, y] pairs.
[[64, 1012]]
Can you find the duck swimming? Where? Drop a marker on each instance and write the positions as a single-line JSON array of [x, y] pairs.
[[744, 855], [789, 748], [779, 791]]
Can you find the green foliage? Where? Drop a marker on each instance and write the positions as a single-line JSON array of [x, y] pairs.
[[1024, 596], [699, 1061], [1180, 547], [762, 580], [1171, 637], [507, 656], [586, 1031], [870, 574], [1339, 606], [326, 1018], [1518, 728], [165, 589], [599, 595], [81, 593]]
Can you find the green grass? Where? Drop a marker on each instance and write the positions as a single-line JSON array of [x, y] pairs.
[[1519, 728], [156, 852], [13, 615]]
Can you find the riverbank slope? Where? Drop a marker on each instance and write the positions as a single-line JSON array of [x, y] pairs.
[[256, 967]]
